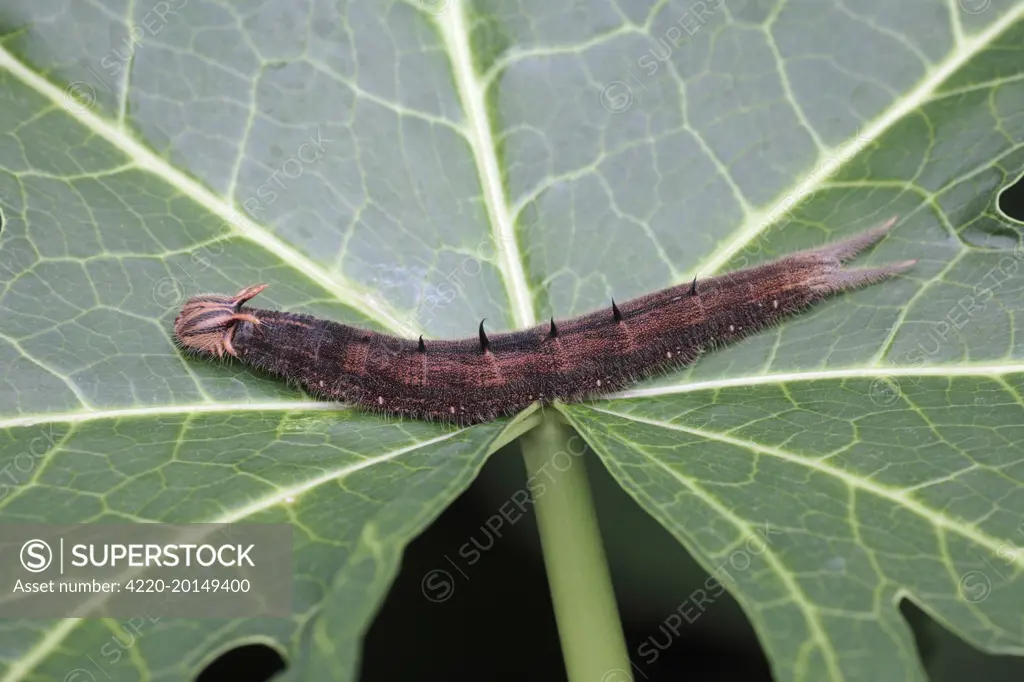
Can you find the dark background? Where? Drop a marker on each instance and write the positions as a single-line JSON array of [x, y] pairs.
[[498, 624]]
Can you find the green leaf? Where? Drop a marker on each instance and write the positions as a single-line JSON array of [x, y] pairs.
[[427, 164]]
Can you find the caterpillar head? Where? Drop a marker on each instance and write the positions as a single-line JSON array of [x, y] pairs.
[[207, 322]]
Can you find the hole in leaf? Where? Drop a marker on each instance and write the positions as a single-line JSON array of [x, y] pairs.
[[254, 662], [1011, 200]]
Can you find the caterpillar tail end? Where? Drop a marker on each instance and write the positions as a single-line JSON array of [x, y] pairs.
[[833, 278]]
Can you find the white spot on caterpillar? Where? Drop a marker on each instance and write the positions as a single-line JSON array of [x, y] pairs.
[[775, 304], [668, 354], [598, 382], [380, 400], [452, 409], [732, 328], [321, 383]]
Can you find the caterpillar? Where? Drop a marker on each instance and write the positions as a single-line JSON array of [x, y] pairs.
[[477, 379]]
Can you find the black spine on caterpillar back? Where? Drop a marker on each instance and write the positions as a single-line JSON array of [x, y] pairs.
[[484, 343], [616, 313]]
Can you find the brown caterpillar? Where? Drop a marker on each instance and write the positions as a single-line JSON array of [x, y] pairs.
[[477, 379]]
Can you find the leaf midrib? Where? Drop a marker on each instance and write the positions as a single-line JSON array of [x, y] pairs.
[[170, 410], [472, 91], [880, 371]]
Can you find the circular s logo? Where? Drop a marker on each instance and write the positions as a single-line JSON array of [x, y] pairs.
[[616, 97], [438, 586], [974, 587], [884, 391], [36, 556], [79, 675]]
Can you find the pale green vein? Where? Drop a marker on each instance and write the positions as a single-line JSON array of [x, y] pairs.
[[897, 496], [137, 659], [51, 641], [519, 54], [993, 371], [787, 89], [396, 107], [346, 292], [71, 385], [758, 222], [126, 80], [901, 315], [170, 410], [472, 92], [243, 139], [293, 492], [954, 21], [975, 87]]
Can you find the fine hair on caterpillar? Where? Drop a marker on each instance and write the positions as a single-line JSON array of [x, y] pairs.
[[479, 378]]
